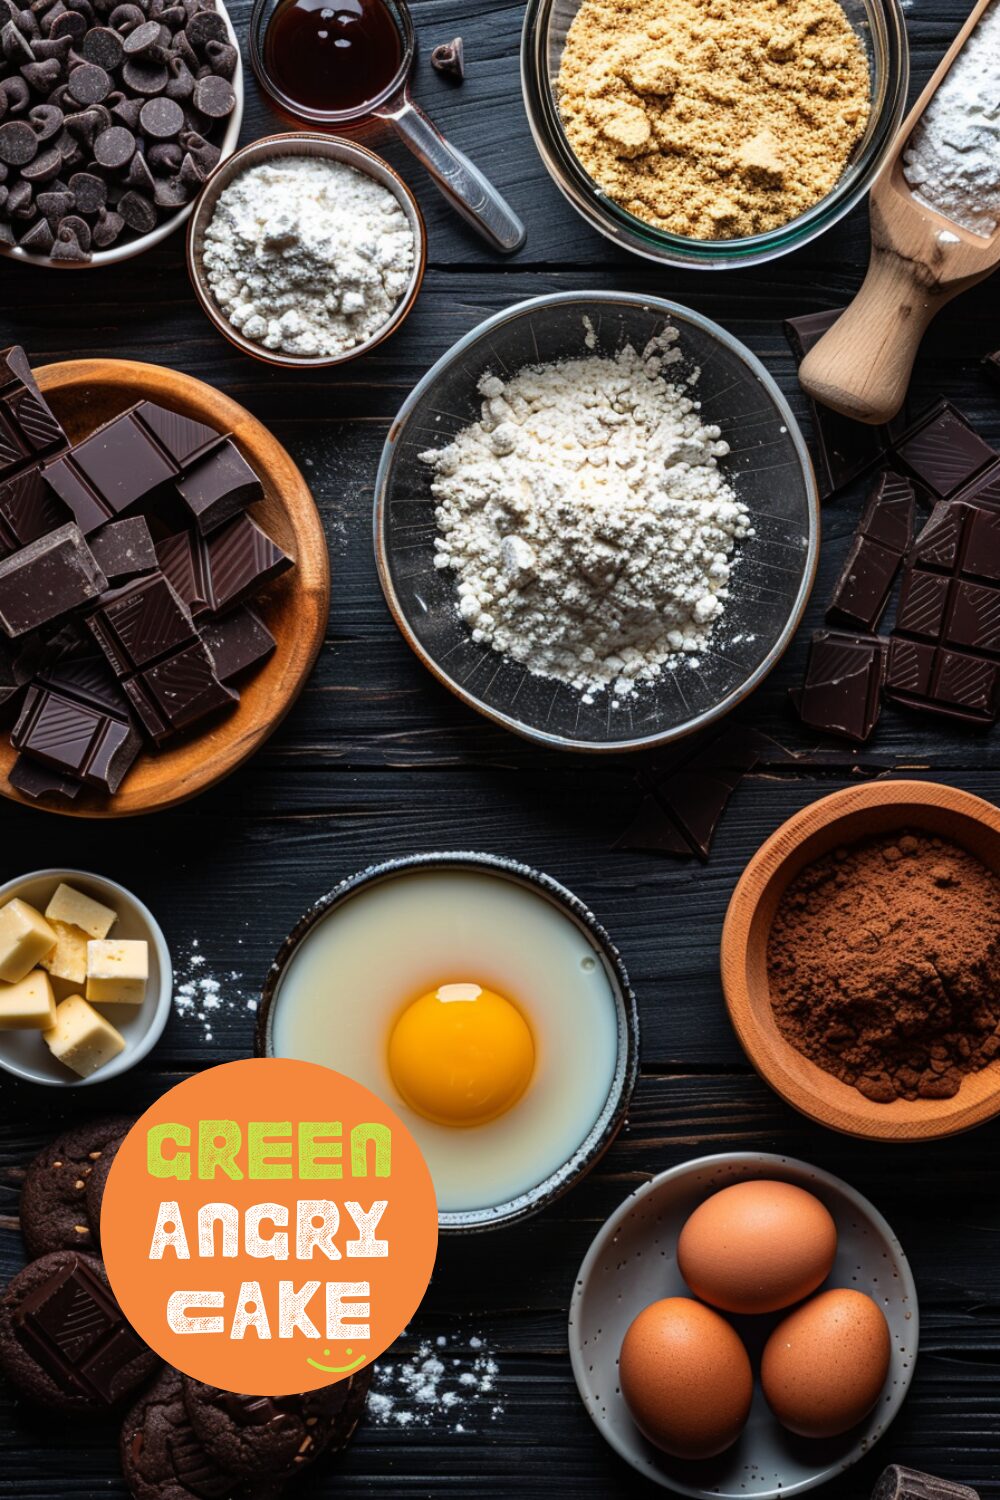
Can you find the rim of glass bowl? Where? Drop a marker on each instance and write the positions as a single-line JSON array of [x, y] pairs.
[[615, 1108], [890, 59], [668, 310]]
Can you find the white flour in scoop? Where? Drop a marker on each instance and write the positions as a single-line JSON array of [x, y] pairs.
[[586, 520], [952, 160]]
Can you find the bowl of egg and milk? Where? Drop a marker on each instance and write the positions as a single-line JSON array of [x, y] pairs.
[[485, 1004]]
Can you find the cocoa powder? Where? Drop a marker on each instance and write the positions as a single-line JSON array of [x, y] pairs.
[[884, 965]]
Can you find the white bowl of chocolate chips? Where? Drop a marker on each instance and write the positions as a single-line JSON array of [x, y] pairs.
[[112, 114]]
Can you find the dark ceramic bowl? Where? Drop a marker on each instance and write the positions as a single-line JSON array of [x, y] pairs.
[[613, 1112]]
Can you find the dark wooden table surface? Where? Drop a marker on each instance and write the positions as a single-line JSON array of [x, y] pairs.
[[377, 760]]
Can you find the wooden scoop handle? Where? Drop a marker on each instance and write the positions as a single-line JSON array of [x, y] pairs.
[[862, 366]]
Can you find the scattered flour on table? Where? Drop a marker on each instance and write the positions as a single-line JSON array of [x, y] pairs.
[[952, 160], [586, 520], [437, 1387], [307, 256], [202, 996]]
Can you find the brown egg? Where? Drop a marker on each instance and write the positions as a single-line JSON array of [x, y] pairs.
[[824, 1365], [756, 1247], [686, 1378]]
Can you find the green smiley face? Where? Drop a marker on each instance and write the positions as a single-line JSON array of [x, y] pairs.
[[336, 1369]]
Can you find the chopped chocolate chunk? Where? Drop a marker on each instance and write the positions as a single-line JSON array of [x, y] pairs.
[[843, 685], [183, 439], [178, 692], [124, 549], [865, 583], [218, 572], [888, 515], [943, 452], [75, 737], [219, 487], [33, 780], [449, 58], [237, 642], [47, 579], [28, 509], [139, 623]]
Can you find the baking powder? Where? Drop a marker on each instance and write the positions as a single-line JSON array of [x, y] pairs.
[[308, 256], [586, 519], [952, 160]]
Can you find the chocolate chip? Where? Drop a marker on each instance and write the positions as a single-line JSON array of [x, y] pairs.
[[147, 78], [181, 84], [223, 58], [18, 143], [164, 156], [55, 205], [15, 94], [183, 48], [173, 17], [44, 167], [78, 227], [204, 27], [138, 213], [39, 239], [114, 148], [70, 23], [107, 229], [214, 97], [449, 58], [19, 200], [161, 118], [14, 45], [103, 46], [58, 47], [125, 18], [87, 124], [138, 174], [46, 121], [128, 111], [68, 247], [6, 234], [89, 83], [146, 41], [191, 173], [89, 191], [42, 76], [171, 193]]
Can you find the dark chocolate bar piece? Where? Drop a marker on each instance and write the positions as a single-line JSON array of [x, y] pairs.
[[984, 488], [889, 513], [178, 691], [237, 642], [943, 452], [181, 438], [899, 1483], [865, 583], [28, 429], [124, 550], [218, 487], [17, 663], [139, 623], [75, 738], [111, 471], [47, 579], [28, 509], [216, 573], [953, 684], [32, 779], [842, 692]]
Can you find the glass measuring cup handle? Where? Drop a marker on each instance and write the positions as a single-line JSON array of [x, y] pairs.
[[462, 183]]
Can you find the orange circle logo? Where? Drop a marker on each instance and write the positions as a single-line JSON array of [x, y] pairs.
[[269, 1226]]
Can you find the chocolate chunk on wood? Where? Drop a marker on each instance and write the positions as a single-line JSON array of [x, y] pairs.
[[865, 583], [449, 58], [28, 510], [33, 780], [218, 572], [182, 439], [141, 623], [177, 692], [219, 487], [842, 691], [47, 579], [237, 643], [124, 549], [75, 738], [899, 1483]]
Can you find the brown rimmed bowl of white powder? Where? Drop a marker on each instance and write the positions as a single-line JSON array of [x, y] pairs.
[[596, 521], [306, 250]]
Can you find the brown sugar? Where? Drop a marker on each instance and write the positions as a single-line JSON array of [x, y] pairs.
[[713, 119], [884, 966]]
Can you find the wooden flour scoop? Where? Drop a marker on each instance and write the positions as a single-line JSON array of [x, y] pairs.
[[919, 261]]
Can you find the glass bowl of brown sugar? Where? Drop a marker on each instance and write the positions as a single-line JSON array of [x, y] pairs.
[[861, 961], [760, 196]]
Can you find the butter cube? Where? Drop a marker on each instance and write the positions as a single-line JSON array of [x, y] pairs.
[[117, 971], [77, 910], [25, 938], [81, 1038], [29, 1004], [68, 959]]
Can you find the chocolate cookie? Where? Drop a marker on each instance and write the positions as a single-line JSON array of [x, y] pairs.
[[53, 1208], [273, 1435], [162, 1458], [64, 1340], [96, 1182]]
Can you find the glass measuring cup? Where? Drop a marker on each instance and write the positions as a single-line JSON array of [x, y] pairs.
[[468, 191]]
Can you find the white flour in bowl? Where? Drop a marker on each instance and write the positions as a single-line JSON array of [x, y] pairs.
[[307, 256], [586, 519], [952, 159]]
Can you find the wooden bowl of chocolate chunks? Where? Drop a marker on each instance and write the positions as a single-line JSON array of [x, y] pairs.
[[112, 116], [164, 585]]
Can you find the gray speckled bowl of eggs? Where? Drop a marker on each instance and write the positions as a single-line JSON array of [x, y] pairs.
[[633, 1263]]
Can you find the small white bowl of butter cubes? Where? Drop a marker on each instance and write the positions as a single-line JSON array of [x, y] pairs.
[[85, 978]]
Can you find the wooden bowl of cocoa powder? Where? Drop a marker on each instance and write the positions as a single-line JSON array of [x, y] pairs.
[[936, 1075]]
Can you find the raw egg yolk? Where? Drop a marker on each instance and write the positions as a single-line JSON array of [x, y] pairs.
[[461, 1055]]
